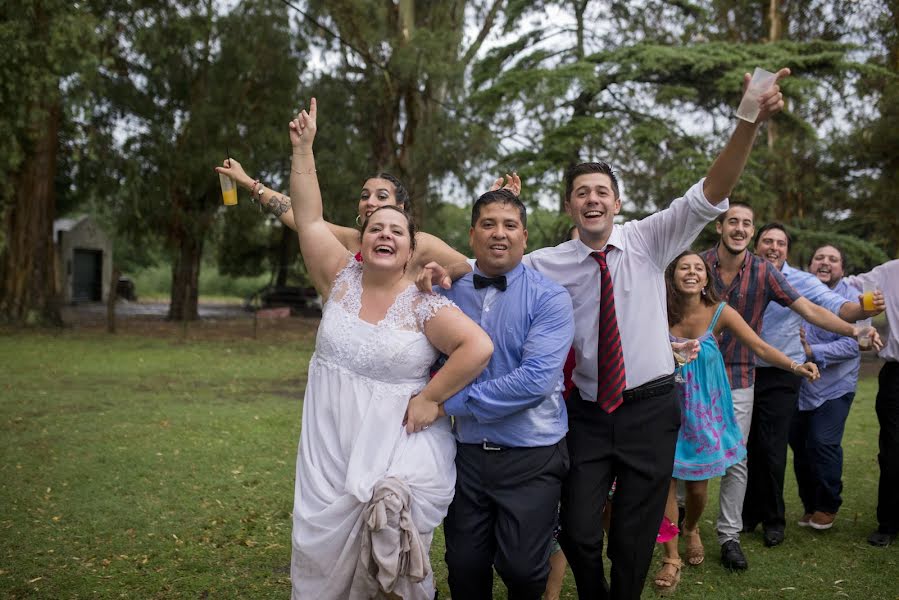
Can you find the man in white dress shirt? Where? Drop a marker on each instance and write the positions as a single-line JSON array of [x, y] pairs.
[[623, 413]]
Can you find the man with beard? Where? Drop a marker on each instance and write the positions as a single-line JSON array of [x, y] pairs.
[[776, 391], [748, 283], [817, 428]]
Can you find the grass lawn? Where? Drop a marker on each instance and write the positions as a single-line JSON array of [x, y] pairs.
[[143, 466]]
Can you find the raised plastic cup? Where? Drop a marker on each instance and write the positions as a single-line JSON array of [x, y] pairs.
[[760, 83], [229, 190]]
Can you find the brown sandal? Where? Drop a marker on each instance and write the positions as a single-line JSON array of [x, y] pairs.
[[670, 579], [694, 552]]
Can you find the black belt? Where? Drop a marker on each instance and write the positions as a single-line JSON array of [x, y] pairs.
[[489, 446], [650, 389]]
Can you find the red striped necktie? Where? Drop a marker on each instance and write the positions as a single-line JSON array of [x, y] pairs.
[[610, 358]]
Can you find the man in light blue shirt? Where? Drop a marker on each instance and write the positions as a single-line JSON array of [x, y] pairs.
[[817, 429], [510, 423], [777, 391]]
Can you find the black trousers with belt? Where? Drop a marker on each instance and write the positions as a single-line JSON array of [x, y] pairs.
[[635, 445], [502, 516], [774, 405], [887, 408]]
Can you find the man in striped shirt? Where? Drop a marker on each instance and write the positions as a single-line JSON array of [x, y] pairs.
[[748, 283]]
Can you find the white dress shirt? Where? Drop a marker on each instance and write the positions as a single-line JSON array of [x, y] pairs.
[[884, 277], [642, 251]]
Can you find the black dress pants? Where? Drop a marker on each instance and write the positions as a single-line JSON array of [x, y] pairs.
[[887, 408], [774, 405], [502, 516], [634, 444]]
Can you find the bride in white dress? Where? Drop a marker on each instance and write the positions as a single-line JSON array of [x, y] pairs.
[[375, 471]]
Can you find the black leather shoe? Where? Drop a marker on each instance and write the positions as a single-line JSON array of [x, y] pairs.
[[774, 537], [881, 538], [732, 556]]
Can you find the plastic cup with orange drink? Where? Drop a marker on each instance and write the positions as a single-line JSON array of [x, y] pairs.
[[868, 296], [229, 190]]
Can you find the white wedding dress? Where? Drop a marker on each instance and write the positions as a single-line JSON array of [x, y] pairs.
[[368, 495]]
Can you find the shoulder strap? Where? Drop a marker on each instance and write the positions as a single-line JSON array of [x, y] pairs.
[[717, 314]]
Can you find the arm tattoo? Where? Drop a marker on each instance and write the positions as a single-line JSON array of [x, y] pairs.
[[278, 206]]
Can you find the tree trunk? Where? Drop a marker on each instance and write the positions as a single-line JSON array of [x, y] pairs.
[[186, 277], [287, 252], [28, 284], [111, 299]]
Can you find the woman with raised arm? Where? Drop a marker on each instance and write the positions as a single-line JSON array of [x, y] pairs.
[[709, 440], [375, 471], [381, 189]]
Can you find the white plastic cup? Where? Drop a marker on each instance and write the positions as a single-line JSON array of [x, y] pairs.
[[865, 332], [760, 83]]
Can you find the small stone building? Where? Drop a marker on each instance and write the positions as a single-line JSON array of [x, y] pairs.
[[84, 260]]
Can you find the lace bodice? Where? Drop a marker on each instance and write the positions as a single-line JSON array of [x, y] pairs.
[[395, 350]]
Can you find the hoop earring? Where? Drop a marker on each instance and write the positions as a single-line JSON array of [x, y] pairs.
[[704, 291], [358, 220]]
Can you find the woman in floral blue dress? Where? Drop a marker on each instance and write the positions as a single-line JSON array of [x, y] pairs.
[[709, 440]]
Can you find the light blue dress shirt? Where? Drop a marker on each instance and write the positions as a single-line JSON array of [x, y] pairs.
[[516, 401], [837, 357], [780, 325]]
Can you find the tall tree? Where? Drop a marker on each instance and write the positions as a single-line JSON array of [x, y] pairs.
[[197, 84], [47, 45], [406, 61]]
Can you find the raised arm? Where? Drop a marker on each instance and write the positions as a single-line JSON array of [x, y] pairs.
[[733, 322], [278, 203], [728, 166], [323, 253]]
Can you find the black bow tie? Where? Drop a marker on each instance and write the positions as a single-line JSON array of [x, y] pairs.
[[499, 282]]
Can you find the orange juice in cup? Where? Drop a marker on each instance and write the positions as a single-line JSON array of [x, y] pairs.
[[868, 300], [868, 297], [229, 190]]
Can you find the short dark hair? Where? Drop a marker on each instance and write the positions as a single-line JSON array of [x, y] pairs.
[[501, 195], [835, 247], [769, 227], [720, 218], [585, 169], [402, 194], [408, 216]]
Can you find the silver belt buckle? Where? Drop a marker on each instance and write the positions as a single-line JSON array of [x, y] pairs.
[[489, 447]]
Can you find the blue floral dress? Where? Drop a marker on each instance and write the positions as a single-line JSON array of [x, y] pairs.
[[709, 440]]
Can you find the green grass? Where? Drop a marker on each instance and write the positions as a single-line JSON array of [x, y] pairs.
[[136, 466]]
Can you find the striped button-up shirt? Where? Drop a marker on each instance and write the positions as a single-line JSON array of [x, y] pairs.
[[756, 284]]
